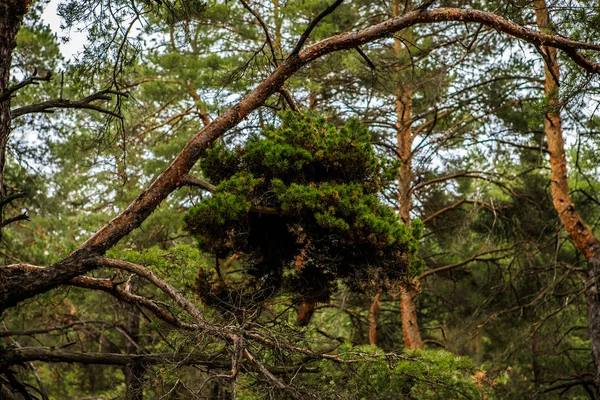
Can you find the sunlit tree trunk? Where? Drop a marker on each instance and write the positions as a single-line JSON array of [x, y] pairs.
[[403, 91], [582, 236]]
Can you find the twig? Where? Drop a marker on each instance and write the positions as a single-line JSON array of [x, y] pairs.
[[265, 29], [312, 26], [364, 56], [289, 99]]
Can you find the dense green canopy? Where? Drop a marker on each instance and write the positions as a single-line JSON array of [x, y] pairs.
[[302, 202]]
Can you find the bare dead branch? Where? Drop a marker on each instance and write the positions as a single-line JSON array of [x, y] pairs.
[[10, 198], [367, 59], [431, 122], [20, 217], [476, 257], [32, 80], [122, 294], [449, 208], [52, 355], [196, 182], [269, 376], [85, 104], [265, 29], [289, 99]]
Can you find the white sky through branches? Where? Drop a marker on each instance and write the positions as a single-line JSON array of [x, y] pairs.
[[71, 41]]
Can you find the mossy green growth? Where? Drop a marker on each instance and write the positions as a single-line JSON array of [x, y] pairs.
[[302, 203]]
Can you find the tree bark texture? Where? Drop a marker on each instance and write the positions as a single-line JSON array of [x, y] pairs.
[[410, 325], [582, 236], [11, 17], [22, 281], [403, 91], [373, 315]]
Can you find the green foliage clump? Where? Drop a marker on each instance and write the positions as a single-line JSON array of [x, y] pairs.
[[302, 203], [369, 373]]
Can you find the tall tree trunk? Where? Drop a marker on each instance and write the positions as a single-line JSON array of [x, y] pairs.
[[373, 314], [580, 233], [11, 17], [403, 91], [134, 373], [277, 18]]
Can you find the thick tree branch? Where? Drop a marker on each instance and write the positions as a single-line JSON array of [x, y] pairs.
[[123, 294], [52, 355], [14, 356], [168, 289], [19, 285]]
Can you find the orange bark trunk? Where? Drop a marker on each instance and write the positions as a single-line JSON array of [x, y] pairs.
[[305, 312], [373, 314], [410, 326], [580, 233], [404, 137]]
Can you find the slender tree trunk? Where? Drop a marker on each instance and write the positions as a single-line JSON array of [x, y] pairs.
[[580, 233], [277, 18], [373, 314], [134, 373], [305, 312], [403, 91], [11, 17], [535, 365]]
